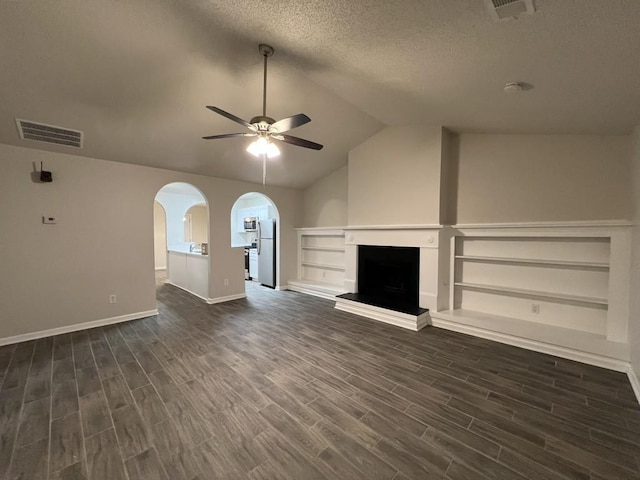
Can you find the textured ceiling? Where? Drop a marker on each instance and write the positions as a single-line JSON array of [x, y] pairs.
[[135, 75]]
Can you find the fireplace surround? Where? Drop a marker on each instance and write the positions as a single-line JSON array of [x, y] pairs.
[[432, 246]]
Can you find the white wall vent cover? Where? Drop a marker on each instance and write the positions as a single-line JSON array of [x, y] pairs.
[[505, 9], [41, 132]]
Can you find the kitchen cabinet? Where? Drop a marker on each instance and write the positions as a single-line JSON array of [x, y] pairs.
[[253, 264], [189, 271]]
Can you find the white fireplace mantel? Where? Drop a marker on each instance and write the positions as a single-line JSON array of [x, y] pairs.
[[433, 242]]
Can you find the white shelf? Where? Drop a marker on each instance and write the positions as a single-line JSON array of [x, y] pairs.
[[323, 265], [325, 249], [535, 293], [535, 261]]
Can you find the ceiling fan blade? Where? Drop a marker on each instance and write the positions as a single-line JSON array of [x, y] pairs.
[[231, 116], [290, 123], [229, 135], [300, 142]]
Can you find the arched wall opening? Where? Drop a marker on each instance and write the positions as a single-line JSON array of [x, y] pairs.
[[252, 216], [187, 236]]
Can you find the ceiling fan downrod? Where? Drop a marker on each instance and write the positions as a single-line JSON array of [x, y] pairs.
[[266, 51]]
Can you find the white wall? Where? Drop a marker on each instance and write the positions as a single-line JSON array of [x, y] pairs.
[[528, 178], [324, 204], [634, 310], [159, 236], [394, 177], [59, 275]]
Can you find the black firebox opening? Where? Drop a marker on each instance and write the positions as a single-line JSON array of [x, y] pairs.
[[388, 277]]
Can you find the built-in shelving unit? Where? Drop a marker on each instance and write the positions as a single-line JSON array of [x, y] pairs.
[[321, 264], [551, 280], [559, 289]]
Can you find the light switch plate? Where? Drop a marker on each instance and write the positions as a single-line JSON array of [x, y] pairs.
[[49, 220]]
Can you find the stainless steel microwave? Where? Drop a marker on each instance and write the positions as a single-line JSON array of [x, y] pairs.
[[250, 224]]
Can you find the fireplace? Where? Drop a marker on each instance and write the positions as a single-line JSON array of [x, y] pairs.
[[430, 247], [388, 277]]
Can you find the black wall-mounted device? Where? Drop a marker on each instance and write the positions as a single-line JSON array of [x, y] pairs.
[[45, 176]]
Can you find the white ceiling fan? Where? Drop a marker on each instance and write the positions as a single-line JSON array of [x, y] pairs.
[[264, 127]]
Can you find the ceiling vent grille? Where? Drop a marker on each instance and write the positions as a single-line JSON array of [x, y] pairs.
[[41, 132], [506, 9]]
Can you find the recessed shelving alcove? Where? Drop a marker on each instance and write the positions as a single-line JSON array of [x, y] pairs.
[[321, 265], [562, 289]]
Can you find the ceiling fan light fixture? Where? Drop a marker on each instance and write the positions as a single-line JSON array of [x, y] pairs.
[[262, 146]]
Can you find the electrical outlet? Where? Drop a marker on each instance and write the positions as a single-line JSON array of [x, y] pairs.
[[535, 308], [226, 282], [113, 298]]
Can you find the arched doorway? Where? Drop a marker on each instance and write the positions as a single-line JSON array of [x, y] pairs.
[[186, 237], [255, 226]]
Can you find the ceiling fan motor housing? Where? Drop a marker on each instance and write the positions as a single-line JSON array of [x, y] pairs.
[[263, 123]]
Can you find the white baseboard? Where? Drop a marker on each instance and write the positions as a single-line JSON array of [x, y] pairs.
[[410, 322], [635, 382], [227, 298], [188, 291], [211, 301], [76, 327], [535, 345]]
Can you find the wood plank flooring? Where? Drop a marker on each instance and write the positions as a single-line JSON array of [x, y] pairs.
[[282, 386]]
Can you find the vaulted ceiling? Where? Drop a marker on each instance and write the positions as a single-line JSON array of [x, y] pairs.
[[135, 75]]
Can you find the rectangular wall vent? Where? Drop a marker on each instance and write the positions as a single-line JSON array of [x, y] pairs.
[[505, 9], [41, 132]]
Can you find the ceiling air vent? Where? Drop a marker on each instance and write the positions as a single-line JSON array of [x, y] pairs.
[[49, 133], [505, 9]]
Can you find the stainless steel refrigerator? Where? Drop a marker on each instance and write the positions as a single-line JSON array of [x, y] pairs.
[[267, 253]]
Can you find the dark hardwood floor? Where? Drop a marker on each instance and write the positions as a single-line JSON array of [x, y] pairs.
[[282, 386]]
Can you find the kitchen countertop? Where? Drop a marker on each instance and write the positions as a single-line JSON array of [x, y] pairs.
[[197, 254]]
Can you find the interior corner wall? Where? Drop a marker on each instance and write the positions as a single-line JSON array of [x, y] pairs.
[[58, 276], [448, 174], [532, 178], [634, 310], [324, 204], [394, 177]]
